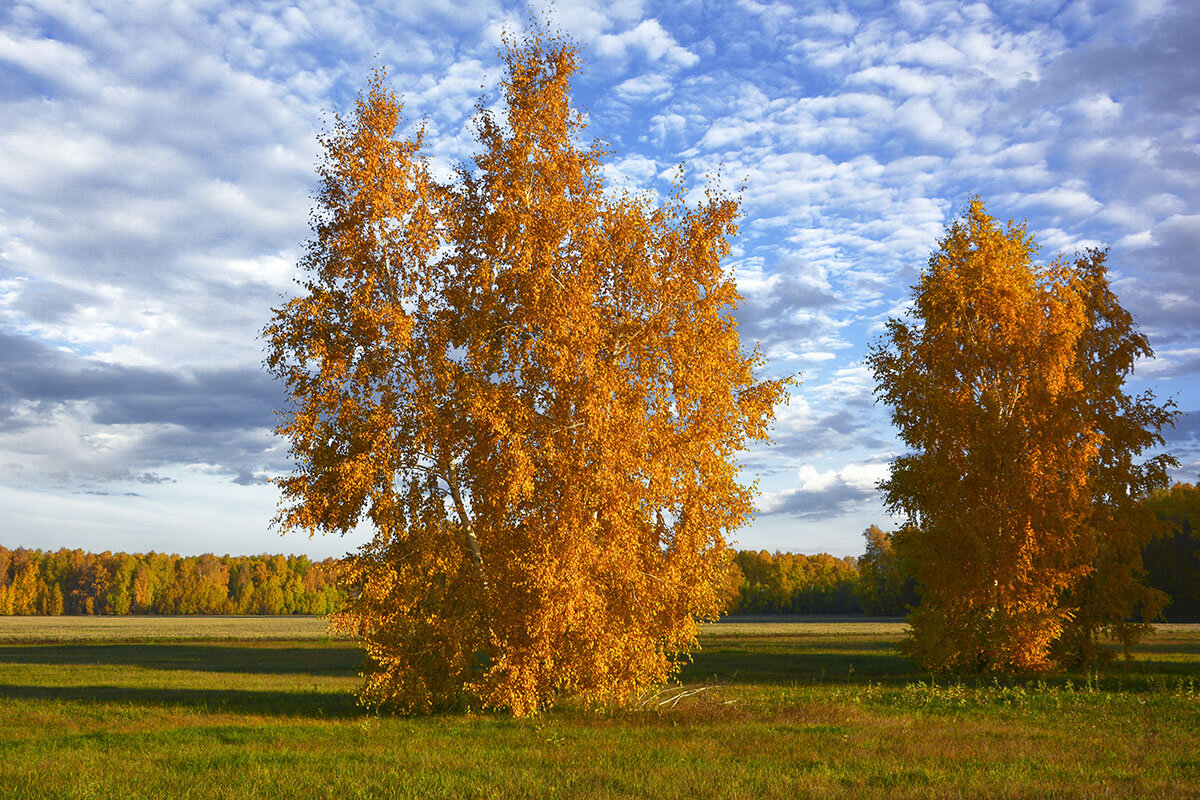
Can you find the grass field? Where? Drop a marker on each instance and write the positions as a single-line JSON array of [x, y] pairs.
[[263, 708]]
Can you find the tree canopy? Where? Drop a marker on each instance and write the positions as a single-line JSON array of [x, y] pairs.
[[1022, 482], [531, 387], [1173, 561], [884, 586]]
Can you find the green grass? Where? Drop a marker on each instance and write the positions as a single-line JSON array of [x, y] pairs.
[[795, 709]]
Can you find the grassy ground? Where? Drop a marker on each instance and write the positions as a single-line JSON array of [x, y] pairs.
[[796, 709]]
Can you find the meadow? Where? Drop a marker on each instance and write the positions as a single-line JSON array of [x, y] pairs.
[[263, 707]]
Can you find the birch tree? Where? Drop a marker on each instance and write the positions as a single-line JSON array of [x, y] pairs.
[[1021, 485], [531, 388]]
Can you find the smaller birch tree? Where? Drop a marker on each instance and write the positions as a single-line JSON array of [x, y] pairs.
[[1021, 484]]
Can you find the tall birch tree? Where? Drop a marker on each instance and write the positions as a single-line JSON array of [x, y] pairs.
[[531, 388]]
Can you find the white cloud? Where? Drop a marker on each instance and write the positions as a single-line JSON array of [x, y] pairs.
[[667, 126], [826, 493], [930, 52], [724, 133], [644, 87], [837, 22], [919, 118], [632, 173], [903, 80], [1098, 108], [1075, 202], [648, 39], [52, 60]]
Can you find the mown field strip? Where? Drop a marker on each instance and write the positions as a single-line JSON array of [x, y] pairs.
[[166, 628], [801, 626], [152, 628]]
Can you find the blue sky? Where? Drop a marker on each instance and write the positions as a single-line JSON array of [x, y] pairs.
[[157, 162]]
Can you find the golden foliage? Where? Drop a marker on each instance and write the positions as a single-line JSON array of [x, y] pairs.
[[1021, 484], [1111, 598], [532, 388]]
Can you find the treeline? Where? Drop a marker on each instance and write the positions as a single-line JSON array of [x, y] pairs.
[[759, 582], [791, 583], [36, 582], [1172, 562], [878, 584]]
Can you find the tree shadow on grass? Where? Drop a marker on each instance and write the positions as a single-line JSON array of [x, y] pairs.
[[735, 664], [1177, 647], [1147, 674], [743, 662], [252, 658], [320, 705]]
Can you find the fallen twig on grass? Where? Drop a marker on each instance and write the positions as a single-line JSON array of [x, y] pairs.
[[670, 696]]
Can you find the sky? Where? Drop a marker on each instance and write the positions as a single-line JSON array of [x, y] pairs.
[[157, 164]]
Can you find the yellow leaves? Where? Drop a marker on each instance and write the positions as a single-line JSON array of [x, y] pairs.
[[997, 388], [532, 388]]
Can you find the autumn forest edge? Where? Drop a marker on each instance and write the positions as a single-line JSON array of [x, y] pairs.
[[36, 582]]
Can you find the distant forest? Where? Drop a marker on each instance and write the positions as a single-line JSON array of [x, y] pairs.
[[77, 582], [36, 582]]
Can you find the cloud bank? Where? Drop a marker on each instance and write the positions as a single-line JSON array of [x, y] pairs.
[[156, 169]]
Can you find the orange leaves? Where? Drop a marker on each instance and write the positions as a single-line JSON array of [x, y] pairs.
[[999, 388], [532, 388]]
